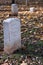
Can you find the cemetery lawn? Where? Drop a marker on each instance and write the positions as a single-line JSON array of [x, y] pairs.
[[31, 35], [33, 50]]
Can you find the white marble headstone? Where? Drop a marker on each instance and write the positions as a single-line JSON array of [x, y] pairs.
[[32, 9], [12, 34], [14, 9]]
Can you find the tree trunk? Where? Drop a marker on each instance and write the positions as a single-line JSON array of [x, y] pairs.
[[26, 2], [13, 1]]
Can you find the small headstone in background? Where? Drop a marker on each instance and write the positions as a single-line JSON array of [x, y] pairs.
[[12, 35], [23, 63], [32, 9], [14, 9]]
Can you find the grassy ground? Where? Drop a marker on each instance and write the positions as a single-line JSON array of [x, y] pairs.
[[31, 34]]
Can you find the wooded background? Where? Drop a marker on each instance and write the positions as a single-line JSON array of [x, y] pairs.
[[21, 1]]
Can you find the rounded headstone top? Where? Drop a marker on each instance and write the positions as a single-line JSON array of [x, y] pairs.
[[11, 20], [14, 4]]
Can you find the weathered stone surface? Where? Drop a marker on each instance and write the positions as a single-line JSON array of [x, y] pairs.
[[14, 9], [12, 35]]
